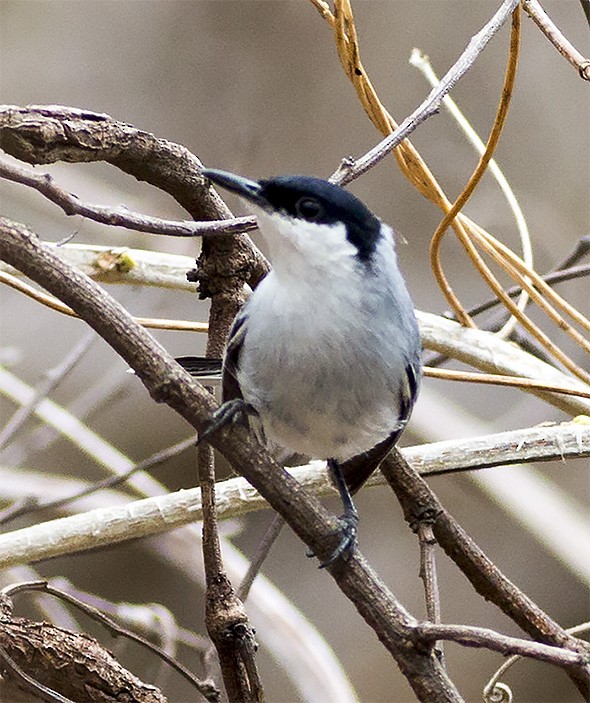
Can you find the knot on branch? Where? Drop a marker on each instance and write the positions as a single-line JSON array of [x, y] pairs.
[[238, 634], [424, 516], [222, 268]]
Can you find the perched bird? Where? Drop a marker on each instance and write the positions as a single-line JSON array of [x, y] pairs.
[[326, 351]]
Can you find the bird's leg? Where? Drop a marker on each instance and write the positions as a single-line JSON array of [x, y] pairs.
[[225, 415], [349, 518]]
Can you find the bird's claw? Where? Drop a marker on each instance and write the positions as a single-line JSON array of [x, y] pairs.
[[225, 415], [348, 531]]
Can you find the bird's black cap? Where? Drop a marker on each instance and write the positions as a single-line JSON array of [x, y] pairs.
[[311, 199]]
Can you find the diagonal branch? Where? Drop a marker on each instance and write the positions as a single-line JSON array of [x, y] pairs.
[[417, 501], [535, 11], [351, 169]]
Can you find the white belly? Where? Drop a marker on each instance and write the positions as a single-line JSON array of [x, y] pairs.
[[322, 387]]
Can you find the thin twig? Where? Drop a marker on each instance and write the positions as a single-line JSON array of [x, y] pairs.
[[484, 637], [494, 691], [41, 134], [111, 482], [142, 616], [429, 576], [552, 278], [497, 380], [551, 31], [478, 173], [52, 379], [120, 216], [262, 551], [55, 304]]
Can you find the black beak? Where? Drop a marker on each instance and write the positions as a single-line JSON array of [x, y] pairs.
[[247, 189]]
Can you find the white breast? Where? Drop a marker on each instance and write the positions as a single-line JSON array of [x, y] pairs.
[[323, 362]]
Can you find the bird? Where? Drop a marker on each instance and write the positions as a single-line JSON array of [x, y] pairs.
[[325, 354]]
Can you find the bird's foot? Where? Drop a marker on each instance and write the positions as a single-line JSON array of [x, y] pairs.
[[348, 530], [225, 415]]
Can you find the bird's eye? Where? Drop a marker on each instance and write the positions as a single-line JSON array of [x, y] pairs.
[[309, 209]]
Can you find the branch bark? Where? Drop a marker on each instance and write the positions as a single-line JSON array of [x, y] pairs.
[[72, 663]]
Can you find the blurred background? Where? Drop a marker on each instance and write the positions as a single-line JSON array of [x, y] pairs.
[[255, 87]]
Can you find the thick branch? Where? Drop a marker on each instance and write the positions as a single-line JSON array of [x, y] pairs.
[[124, 265], [74, 664], [486, 351], [235, 497]]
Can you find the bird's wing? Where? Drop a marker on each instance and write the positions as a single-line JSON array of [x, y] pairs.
[[230, 387], [357, 469], [206, 366]]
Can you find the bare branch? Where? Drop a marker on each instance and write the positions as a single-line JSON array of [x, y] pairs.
[[551, 31], [206, 688], [483, 637], [169, 383], [429, 575], [485, 351], [495, 691], [124, 265], [418, 501], [42, 134], [119, 216], [234, 497]]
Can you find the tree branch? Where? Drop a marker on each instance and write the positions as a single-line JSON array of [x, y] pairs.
[[45, 134], [489, 639], [487, 352], [350, 168], [551, 31], [44, 184], [418, 501], [236, 497]]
